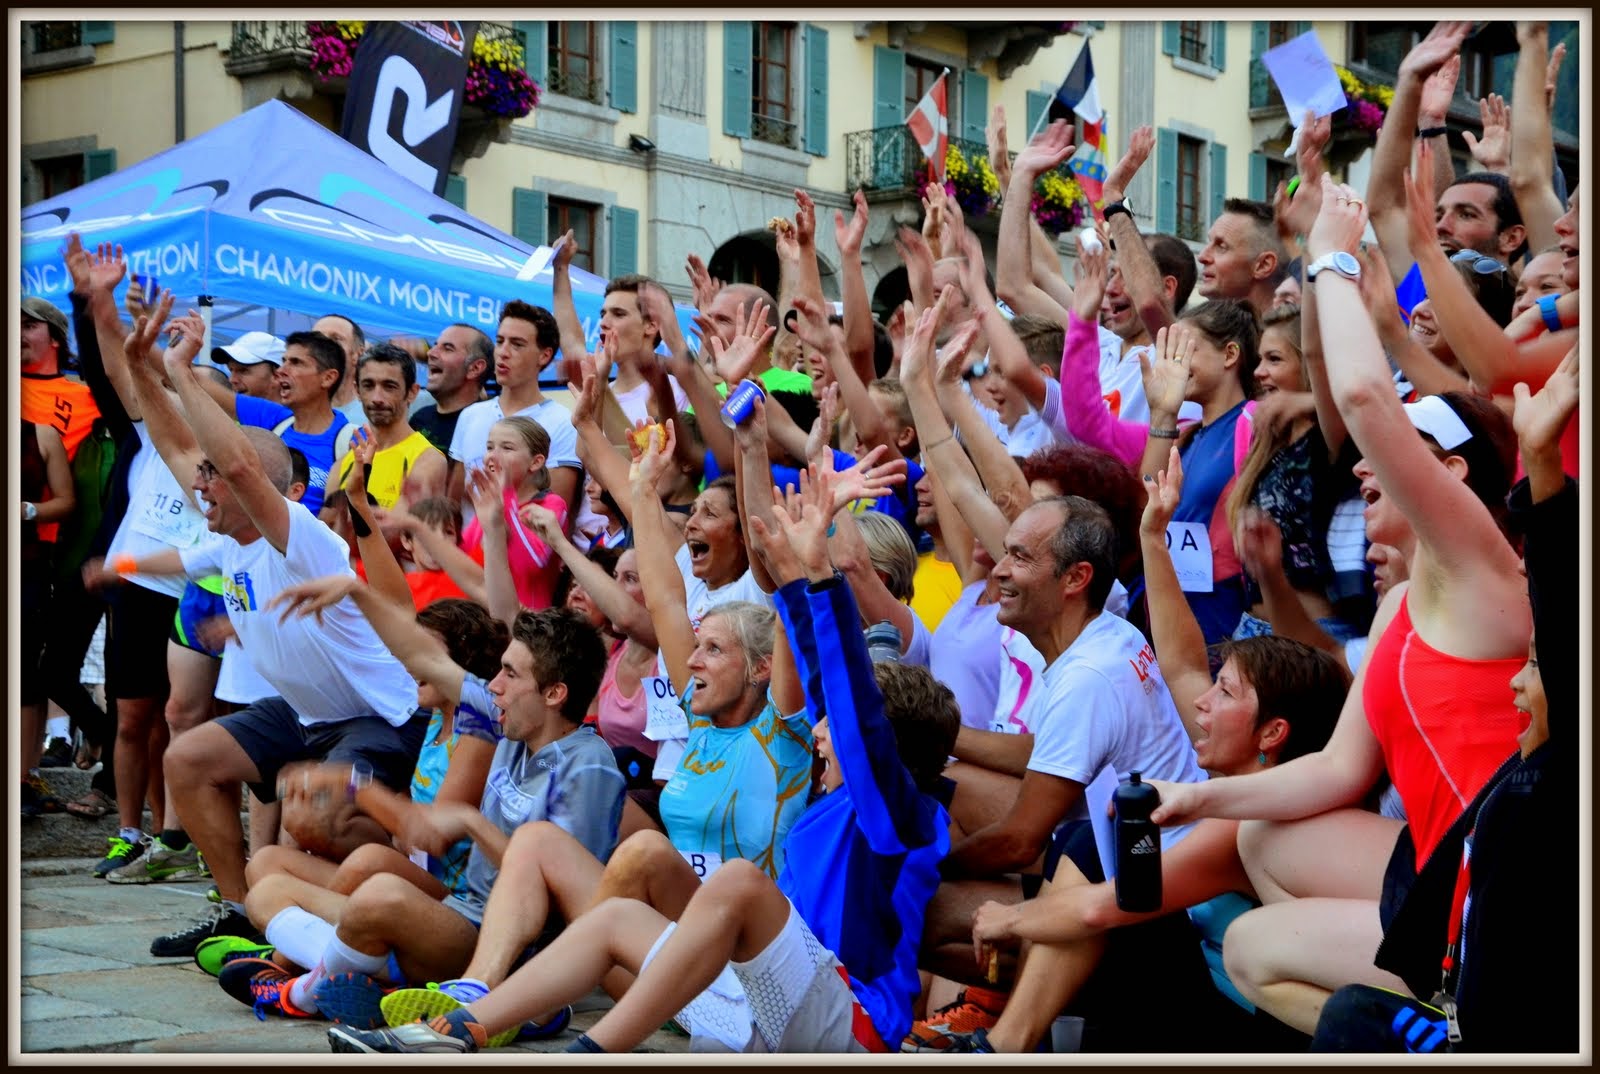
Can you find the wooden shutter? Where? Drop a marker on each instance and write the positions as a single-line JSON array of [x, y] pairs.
[[622, 227], [535, 49], [974, 107], [738, 50], [1171, 33], [815, 135], [1219, 45], [1258, 177], [1219, 179], [888, 86], [99, 163], [455, 191], [622, 65], [98, 33], [530, 210], [1166, 180]]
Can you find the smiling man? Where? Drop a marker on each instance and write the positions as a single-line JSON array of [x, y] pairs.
[[386, 382], [458, 364]]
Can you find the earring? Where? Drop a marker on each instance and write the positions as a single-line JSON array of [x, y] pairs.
[[1261, 758]]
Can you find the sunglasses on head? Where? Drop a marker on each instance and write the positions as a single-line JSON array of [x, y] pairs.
[[1482, 264]]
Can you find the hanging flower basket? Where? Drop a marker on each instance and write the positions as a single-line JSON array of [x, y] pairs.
[[1058, 202], [497, 80], [967, 179], [1368, 103]]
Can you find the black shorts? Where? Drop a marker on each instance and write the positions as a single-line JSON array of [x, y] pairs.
[[272, 736], [1399, 877], [136, 642]]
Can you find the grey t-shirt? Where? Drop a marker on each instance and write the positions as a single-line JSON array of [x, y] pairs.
[[572, 782]]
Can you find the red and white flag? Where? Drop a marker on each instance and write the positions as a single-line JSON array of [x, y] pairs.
[[930, 125]]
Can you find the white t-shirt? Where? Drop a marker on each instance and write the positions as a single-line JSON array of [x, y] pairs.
[[1122, 381], [635, 402], [920, 651], [1019, 707], [701, 598], [238, 682], [1106, 705], [162, 516], [472, 432], [333, 670]]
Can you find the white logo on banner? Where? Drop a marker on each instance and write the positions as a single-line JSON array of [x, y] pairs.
[[420, 121]]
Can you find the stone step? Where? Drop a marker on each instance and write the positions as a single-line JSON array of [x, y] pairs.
[[63, 835]]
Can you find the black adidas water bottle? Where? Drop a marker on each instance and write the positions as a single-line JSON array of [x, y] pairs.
[[1138, 846]]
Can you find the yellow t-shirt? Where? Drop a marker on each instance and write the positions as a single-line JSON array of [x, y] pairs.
[[938, 587], [389, 468]]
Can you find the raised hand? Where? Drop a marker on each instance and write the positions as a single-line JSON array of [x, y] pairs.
[[805, 220], [821, 433], [803, 516], [1541, 417], [704, 284], [107, 267], [850, 235], [1166, 372], [1493, 150], [1048, 148], [1551, 70], [564, 250], [542, 521], [934, 201], [1315, 134], [752, 337], [1340, 222], [1438, 90], [811, 325], [1377, 290], [1162, 492], [785, 240], [364, 448], [1433, 54], [655, 305], [868, 479], [771, 543], [950, 361], [586, 400], [314, 597], [918, 353], [1089, 281], [191, 334], [487, 492], [994, 134], [1421, 231], [752, 435], [77, 259], [654, 459], [136, 346], [918, 259], [1140, 144]]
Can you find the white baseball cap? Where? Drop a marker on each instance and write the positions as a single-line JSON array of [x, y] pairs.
[[250, 348]]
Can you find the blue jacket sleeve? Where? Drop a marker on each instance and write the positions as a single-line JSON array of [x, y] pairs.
[[888, 805], [795, 614]]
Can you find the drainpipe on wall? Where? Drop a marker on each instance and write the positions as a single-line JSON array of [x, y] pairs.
[[177, 82]]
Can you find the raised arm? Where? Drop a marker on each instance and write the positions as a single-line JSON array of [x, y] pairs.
[[1001, 476], [1014, 248], [1166, 373], [1259, 543], [811, 325], [573, 344], [95, 276], [1006, 351], [702, 394], [384, 572], [1179, 641], [1083, 407], [664, 593], [1140, 273], [489, 505], [798, 275], [859, 338], [753, 484], [1532, 138], [169, 432]]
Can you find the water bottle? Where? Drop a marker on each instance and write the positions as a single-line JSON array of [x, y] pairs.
[[1138, 846], [883, 642]]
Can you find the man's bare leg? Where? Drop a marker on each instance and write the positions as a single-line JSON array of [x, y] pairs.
[[947, 934], [204, 766], [1048, 977]]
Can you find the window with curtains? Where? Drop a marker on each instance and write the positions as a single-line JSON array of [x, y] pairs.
[[1191, 189], [920, 77], [1194, 41], [573, 53], [582, 219], [772, 104]]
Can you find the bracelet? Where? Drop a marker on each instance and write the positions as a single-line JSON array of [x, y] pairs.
[[1113, 209], [1432, 132], [360, 777], [1547, 310], [125, 564], [1164, 434], [936, 443]]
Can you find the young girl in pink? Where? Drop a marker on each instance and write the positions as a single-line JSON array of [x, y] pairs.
[[515, 454]]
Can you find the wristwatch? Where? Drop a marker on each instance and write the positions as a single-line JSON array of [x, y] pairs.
[[1116, 207], [1341, 262], [30, 511]]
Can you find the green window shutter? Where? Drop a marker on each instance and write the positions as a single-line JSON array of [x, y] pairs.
[[536, 49], [1301, 27], [816, 132], [1038, 105], [1169, 38], [1260, 81], [974, 107], [529, 209], [99, 163], [738, 50], [1219, 179], [1258, 177], [888, 86], [1219, 45], [622, 62], [455, 191], [623, 228], [1166, 180], [99, 33]]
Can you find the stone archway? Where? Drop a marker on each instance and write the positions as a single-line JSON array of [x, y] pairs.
[[752, 257], [893, 289]]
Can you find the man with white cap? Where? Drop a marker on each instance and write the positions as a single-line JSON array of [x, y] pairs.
[[251, 360]]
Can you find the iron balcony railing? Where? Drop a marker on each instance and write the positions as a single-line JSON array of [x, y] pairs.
[[288, 44], [888, 160], [774, 131], [51, 36]]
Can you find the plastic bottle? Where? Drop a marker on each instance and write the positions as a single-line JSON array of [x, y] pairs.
[[1138, 846], [883, 642]]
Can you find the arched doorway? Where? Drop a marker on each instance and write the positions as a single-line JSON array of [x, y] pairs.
[[752, 257], [893, 289]]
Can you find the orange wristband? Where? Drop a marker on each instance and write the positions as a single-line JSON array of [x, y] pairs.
[[125, 564]]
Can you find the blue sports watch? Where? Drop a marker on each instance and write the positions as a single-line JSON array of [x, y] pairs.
[[1547, 310]]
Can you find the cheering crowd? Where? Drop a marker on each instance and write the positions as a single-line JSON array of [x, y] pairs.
[[777, 682]]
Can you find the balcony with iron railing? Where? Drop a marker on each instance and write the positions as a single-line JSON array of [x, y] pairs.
[[260, 46], [774, 131], [887, 161], [576, 86]]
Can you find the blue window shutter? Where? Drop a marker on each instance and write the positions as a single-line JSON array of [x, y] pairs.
[[99, 163], [1038, 105], [455, 191], [1301, 27], [1166, 180], [816, 132], [535, 49], [1260, 81], [888, 86], [1219, 178], [1169, 38], [99, 33], [1219, 45], [1258, 177], [529, 212], [623, 227], [974, 106], [622, 62], [738, 50]]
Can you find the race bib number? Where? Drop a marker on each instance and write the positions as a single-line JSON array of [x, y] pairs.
[[169, 519], [703, 863], [1190, 546], [666, 719]]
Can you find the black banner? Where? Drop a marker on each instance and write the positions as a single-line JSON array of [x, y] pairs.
[[404, 100]]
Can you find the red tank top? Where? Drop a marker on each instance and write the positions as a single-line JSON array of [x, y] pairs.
[[1445, 724]]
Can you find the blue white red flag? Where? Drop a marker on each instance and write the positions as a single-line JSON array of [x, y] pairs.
[[1081, 95]]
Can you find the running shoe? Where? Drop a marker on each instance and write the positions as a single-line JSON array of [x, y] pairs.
[[212, 894], [162, 864], [351, 999], [215, 952], [407, 1005], [120, 853], [972, 1009], [454, 1032], [974, 1043], [262, 985], [56, 755], [220, 920]]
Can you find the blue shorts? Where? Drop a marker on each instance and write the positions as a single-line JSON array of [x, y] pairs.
[[196, 606]]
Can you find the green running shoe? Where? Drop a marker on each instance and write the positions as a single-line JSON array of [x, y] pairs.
[[215, 952], [119, 854]]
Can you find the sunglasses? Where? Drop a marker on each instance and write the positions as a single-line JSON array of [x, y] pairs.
[[978, 371], [1482, 264]]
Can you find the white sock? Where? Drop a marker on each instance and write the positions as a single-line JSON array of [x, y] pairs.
[[300, 935], [132, 835], [339, 957]]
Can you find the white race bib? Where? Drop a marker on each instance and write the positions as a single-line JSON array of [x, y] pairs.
[[1190, 546], [666, 719], [703, 863], [169, 519]]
